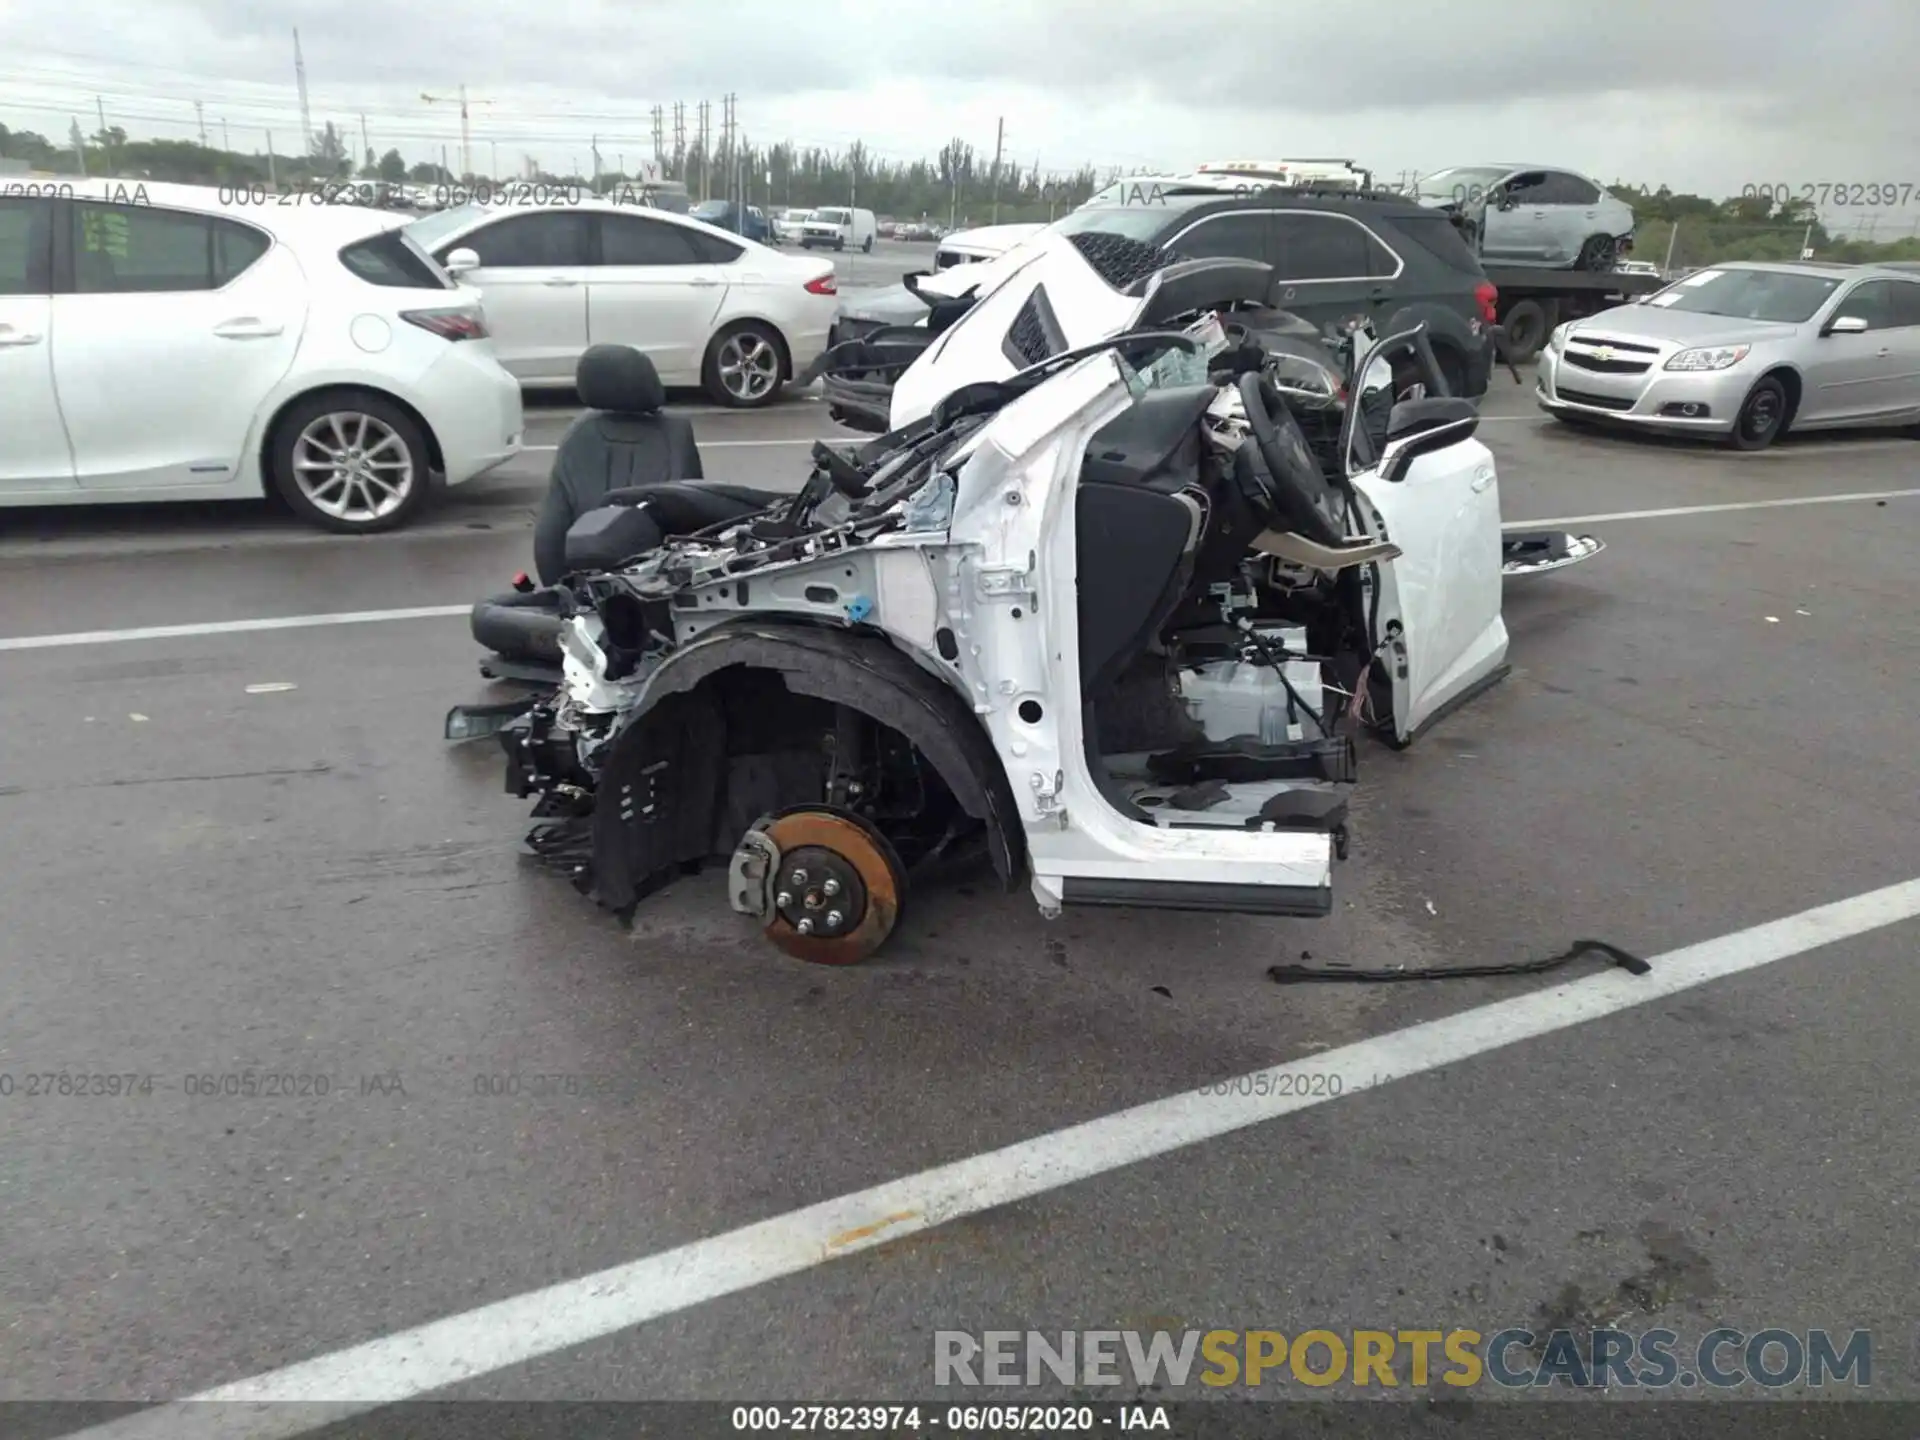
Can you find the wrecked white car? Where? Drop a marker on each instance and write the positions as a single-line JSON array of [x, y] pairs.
[[1114, 618]]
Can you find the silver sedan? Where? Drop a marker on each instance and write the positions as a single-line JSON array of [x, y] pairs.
[[1744, 352]]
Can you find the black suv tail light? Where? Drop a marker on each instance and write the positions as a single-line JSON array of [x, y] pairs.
[[448, 324]]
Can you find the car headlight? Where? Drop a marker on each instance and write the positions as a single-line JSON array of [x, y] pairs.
[[1557, 341], [1709, 357]]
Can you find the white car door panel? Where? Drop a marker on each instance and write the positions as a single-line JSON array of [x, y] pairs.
[[532, 280], [1444, 588], [34, 454], [161, 376], [651, 289]]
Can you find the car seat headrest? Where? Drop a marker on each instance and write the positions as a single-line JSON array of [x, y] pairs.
[[618, 378]]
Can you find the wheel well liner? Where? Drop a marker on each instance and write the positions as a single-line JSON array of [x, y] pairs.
[[270, 436], [664, 777]]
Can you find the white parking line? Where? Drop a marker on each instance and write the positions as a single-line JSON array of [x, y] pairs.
[[230, 627], [706, 445], [524, 1327], [1710, 509]]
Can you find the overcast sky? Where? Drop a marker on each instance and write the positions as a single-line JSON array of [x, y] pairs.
[[1704, 95]]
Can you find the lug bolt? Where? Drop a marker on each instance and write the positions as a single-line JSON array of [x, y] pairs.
[[805, 927], [799, 877], [783, 899], [834, 917], [830, 887]]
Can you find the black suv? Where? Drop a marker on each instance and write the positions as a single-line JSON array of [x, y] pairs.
[[1336, 253]]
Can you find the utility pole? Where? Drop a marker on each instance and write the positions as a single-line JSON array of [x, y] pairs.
[[79, 145], [365, 143], [726, 142], [593, 147], [493, 159], [300, 83], [659, 138], [953, 202], [1673, 234], [680, 141], [200, 114], [226, 138], [106, 144], [445, 173], [466, 129], [273, 180], [999, 143], [706, 155]]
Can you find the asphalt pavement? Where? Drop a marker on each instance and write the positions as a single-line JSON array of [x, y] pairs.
[[231, 855]]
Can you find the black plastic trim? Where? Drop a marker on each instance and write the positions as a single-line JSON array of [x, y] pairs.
[[1299, 901]]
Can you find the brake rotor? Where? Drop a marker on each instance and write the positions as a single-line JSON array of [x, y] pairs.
[[837, 895]]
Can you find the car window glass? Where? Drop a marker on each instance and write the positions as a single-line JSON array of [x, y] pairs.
[[1560, 188], [139, 249], [1243, 237], [1871, 302], [235, 247], [552, 239], [713, 250], [23, 246], [629, 240], [1906, 302], [1320, 247]]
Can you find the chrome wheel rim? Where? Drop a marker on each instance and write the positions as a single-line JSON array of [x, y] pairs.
[[353, 466], [749, 368]]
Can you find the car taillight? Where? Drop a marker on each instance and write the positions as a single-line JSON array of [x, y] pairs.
[[448, 324], [824, 285], [1488, 296]]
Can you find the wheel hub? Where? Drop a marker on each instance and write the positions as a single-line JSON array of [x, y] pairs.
[[837, 891]]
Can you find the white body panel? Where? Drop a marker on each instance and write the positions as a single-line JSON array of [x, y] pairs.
[[35, 457], [1444, 589]]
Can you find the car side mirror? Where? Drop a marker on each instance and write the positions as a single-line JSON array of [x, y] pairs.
[[1441, 427], [1848, 325], [460, 261]]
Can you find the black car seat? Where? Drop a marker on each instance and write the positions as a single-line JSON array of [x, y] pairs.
[[624, 440], [625, 476]]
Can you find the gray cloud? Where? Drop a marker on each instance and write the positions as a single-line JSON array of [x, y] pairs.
[[1727, 86]]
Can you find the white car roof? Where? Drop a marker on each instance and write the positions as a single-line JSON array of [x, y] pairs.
[[301, 216], [483, 212]]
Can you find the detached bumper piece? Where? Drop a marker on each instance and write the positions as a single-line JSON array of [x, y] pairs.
[[1543, 551]]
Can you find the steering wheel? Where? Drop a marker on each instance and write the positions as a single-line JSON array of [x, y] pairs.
[[1296, 490]]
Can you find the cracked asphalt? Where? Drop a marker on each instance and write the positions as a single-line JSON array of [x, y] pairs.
[[1708, 726]]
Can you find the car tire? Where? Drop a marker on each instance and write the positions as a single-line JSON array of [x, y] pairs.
[[735, 372], [867, 247], [1762, 417], [380, 447], [1527, 324], [1599, 252]]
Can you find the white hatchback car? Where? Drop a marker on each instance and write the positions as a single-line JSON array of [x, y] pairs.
[[172, 342], [707, 306]]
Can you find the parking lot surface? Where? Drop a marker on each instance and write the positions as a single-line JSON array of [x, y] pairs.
[[234, 854]]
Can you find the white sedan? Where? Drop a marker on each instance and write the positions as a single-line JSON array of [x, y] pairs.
[[708, 307], [174, 342]]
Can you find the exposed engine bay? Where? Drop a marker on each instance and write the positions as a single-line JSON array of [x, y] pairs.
[[1114, 622]]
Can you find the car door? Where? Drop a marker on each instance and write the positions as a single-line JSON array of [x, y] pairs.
[[1439, 600], [1331, 267], [1904, 338], [532, 279], [34, 454], [170, 330], [1856, 376], [651, 288], [1515, 220], [1567, 208]]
